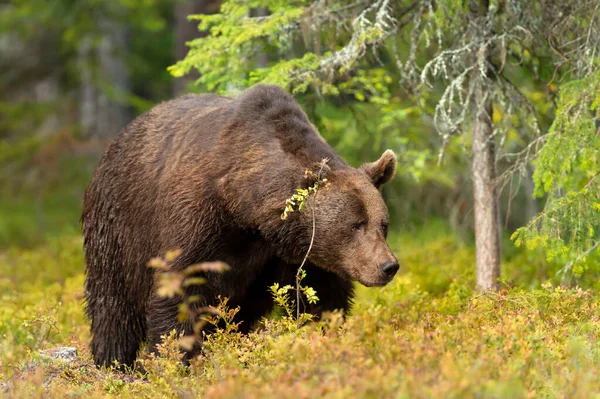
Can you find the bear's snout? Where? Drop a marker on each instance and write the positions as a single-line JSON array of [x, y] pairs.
[[389, 269]]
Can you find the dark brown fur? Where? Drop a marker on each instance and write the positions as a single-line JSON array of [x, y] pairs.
[[210, 175]]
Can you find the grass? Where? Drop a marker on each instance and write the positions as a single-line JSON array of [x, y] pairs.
[[427, 334], [42, 201]]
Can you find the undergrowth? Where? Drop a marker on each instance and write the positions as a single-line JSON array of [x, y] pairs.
[[426, 334]]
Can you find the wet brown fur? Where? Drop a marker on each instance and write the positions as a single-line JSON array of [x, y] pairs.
[[210, 175]]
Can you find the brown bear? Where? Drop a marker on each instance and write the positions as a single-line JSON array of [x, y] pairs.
[[210, 175]]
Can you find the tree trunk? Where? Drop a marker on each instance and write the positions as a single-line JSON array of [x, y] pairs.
[[487, 226], [87, 96], [113, 109], [46, 91], [186, 30], [103, 105]]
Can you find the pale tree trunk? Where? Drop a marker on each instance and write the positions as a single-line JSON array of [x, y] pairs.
[[186, 30], [487, 226], [485, 193], [104, 82], [113, 109], [46, 91], [87, 95]]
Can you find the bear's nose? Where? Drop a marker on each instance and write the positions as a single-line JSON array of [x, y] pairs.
[[390, 268]]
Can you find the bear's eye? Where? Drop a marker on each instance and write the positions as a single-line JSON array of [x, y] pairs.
[[358, 226], [384, 228]]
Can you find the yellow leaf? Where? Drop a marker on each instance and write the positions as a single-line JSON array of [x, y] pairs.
[[170, 256], [157, 263], [187, 343]]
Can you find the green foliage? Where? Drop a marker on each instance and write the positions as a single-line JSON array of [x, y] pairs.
[[297, 202], [567, 170], [292, 319], [225, 57], [570, 159]]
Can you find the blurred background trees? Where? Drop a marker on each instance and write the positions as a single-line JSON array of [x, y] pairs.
[[486, 102], [73, 74]]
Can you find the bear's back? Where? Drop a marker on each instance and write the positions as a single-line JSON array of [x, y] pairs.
[[196, 123]]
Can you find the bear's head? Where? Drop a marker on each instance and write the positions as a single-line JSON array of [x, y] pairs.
[[351, 223]]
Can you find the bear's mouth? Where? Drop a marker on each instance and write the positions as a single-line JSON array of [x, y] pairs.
[[381, 282], [374, 283]]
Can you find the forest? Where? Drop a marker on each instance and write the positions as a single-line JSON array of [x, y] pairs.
[[492, 108]]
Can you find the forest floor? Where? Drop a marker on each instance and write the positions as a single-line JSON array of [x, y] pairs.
[[426, 334]]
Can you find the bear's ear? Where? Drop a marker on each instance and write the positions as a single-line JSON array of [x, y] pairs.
[[382, 170]]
